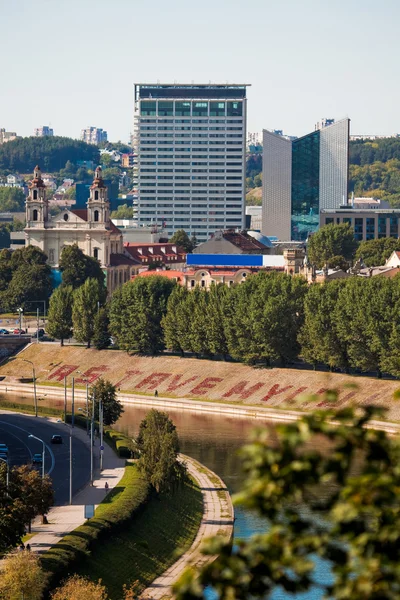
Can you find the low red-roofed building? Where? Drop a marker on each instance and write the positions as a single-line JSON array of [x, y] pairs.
[[159, 254], [202, 277]]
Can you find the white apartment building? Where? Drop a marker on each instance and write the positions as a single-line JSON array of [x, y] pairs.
[[93, 135], [43, 131], [190, 141]]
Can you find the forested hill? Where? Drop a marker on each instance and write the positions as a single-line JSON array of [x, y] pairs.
[[50, 153], [374, 170]]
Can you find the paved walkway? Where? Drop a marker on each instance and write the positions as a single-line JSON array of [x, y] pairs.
[[63, 519], [218, 518]]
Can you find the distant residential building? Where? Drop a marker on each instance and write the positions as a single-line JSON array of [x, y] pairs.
[[43, 131], [301, 177], [13, 180], [127, 160], [161, 253], [143, 235], [115, 155], [93, 135], [254, 140], [368, 224], [7, 136], [205, 277], [357, 137], [190, 142], [232, 242], [324, 122], [254, 213]]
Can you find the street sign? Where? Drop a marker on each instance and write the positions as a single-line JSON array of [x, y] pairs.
[[89, 511], [101, 447]]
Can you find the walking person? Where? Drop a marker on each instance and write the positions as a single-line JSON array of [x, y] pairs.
[[106, 486]]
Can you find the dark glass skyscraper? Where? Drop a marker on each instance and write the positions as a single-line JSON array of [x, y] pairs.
[[301, 177]]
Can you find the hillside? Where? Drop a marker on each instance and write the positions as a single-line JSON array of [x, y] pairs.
[[200, 379]]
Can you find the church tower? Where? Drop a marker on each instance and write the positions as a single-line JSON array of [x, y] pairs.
[[37, 207], [98, 205]]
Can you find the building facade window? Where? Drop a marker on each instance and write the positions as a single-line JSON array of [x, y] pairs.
[[358, 229], [370, 229], [35, 215], [96, 216], [381, 227], [394, 227]]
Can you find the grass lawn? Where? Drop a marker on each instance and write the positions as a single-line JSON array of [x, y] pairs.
[[151, 542]]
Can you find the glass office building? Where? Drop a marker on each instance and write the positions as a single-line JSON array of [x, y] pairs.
[[190, 142], [301, 177]]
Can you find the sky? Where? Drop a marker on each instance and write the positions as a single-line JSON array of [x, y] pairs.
[[73, 63]]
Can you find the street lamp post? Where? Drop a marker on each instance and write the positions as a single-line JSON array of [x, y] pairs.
[[101, 410], [91, 437], [34, 383], [43, 450], [20, 311], [8, 473]]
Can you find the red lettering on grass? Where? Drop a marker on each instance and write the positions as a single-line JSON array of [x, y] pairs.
[[274, 391], [92, 374], [128, 375], [295, 393], [240, 390], [174, 385], [153, 380], [62, 372], [207, 384]]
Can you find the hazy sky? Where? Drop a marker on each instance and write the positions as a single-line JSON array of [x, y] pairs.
[[73, 63]]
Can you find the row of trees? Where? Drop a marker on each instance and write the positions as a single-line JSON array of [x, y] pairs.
[[351, 323]]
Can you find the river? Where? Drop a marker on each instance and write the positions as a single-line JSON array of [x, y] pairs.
[[213, 440]]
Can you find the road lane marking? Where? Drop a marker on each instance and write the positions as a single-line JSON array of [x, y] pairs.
[[53, 460]]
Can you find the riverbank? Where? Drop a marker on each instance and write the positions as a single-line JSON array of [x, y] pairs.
[[192, 380]]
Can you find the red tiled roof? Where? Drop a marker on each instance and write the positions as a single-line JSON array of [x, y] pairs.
[[169, 256], [120, 259], [243, 241], [169, 274]]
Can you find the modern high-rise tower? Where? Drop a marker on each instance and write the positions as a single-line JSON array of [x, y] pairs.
[[302, 176], [190, 142]]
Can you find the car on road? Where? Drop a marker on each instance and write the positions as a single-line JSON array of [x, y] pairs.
[[37, 459], [56, 439], [4, 448], [18, 331], [4, 332], [39, 333], [3, 456]]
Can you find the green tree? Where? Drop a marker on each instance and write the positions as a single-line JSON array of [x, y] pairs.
[[12, 515], [215, 313], [12, 199], [123, 212], [70, 193], [105, 393], [158, 445], [319, 338], [59, 318], [341, 506], [363, 320], [35, 493], [197, 324], [86, 303], [330, 242], [5, 269], [376, 252], [181, 239], [22, 577], [175, 321], [136, 312], [101, 337], [76, 268], [30, 280]]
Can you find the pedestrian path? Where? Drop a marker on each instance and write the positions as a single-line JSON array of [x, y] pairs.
[[63, 519], [218, 519]]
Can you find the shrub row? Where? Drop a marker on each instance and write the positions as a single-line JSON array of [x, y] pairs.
[[30, 409], [111, 516]]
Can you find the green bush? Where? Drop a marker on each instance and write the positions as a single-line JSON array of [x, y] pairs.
[[30, 409], [127, 498], [123, 445]]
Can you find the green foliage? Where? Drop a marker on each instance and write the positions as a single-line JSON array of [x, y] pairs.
[[59, 318], [22, 577], [51, 153], [136, 312], [376, 252], [329, 243], [158, 446], [181, 239], [87, 299], [76, 268], [174, 322], [105, 393], [123, 212], [340, 505], [253, 171], [12, 199], [112, 516], [24, 277], [101, 337]]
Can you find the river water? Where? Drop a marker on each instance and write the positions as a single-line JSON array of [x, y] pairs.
[[213, 440]]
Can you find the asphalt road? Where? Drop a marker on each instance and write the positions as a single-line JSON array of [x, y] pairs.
[[14, 431]]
